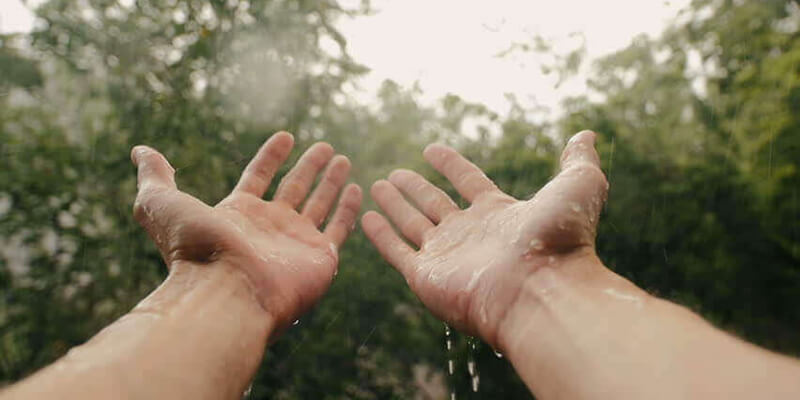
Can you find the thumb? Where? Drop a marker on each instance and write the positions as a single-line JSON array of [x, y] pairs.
[[153, 168], [156, 180], [572, 201]]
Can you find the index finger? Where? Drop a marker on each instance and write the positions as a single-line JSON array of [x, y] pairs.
[[465, 176]]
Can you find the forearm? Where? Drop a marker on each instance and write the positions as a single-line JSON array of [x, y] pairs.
[[201, 334], [583, 332]]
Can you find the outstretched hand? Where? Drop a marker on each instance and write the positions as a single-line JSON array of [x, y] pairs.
[[289, 260], [472, 263]]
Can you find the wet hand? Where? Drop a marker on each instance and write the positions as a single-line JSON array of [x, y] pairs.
[[471, 263], [287, 257]]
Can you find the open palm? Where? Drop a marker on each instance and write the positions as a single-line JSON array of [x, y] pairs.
[[472, 263], [289, 261]]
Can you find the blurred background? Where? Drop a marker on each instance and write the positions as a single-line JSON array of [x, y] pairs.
[[697, 104]]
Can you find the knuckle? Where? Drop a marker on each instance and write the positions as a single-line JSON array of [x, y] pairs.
[[292, 189], [318, 159], [336, 176], [315, 212], [586, 168], [276, 152], [347, 215], [379, 187], [264, 170], [441, 204], [351, 203]]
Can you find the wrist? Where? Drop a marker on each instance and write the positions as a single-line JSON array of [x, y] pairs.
[[540, 289], [202, 317], [570, 318], [210, 287]]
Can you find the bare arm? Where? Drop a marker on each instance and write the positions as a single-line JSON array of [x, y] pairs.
[[524, 275], [239, 272]]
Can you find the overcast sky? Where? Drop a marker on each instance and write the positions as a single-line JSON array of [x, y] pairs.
[[450, 46]]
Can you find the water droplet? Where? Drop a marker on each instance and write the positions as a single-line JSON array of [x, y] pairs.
[[536, 244], [476, 380], [472, 367], [449, 344], [296, 322], [575, 207], [447, 330], [452, 395], [497, 353], [450, 367], [247, 391]]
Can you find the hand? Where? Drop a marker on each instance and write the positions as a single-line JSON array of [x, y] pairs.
[[471, 263], [289, 261]]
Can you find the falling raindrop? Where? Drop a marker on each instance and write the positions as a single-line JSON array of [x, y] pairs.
[[497, 353], [472, 367], [450, 364], [296, 322], [476, 380]]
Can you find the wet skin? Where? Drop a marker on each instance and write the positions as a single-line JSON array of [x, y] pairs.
[[525, 277], [471, 263], [279, 246], [239, 272]]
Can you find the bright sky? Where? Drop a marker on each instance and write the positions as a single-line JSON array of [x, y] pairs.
[[450, 46]]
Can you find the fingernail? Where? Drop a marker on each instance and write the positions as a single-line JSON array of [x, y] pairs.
[[136, 152], [581, 134]]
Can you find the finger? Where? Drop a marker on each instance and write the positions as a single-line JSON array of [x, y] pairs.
[[580, 149], [465, 176], [576, 196], [343, 220], [295, 185], [319, 204], [153, 169], [408, 219], [584, 181], [434, 202], [262, 168], [156, 179], [391, 247]]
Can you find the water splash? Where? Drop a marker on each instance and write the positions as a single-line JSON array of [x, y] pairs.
[[450, 363], [248, 391], [472, 366]]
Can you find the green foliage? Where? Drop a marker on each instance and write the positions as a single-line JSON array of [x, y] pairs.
[[700, 142], [698, 138]]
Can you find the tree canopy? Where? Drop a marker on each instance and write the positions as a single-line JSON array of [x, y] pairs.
[[699, 136]]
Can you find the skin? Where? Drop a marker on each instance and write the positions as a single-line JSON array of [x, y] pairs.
[[526, 278], [523, 275], [239, 273]]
